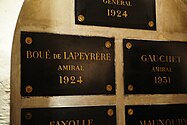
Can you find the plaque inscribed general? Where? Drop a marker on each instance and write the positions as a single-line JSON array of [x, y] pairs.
[[53, 64], [155, 67], [69, 116], [136, 14], [156, 114]]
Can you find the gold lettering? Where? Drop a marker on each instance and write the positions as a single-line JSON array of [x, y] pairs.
[[64, 123], [128, 3], [82, 56], [38, 54], [70, 68], [52, 123], [73, 122], [103, 56], [70, 80], [65, 67], [59, 67], [65, 55], [57, 56], [143, 123], [97, 56], [160, 58], [149, 122], [143, 58], [164, 122], [118, 2], [162, 69], [71, 56], [87, 56], [153, 58], [92, 56], [90, 121], [117, 13], [162, 79], [76, 55], [160, 121], [108, 57], [29, 55], [47, 54]]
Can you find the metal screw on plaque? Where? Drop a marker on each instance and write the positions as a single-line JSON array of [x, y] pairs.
[[28, 40], [130, 87], [28, 89], [151, 23], [110, 112], [108, 44], [129, 45], [130, 111], [109, 88], [28, 116], [81, 18]]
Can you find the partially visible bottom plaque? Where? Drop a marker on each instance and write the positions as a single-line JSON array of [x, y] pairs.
[[156, 114], [105, 115]]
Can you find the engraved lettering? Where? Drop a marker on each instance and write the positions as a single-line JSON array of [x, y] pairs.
[[160, 58], [57, 56], [70, 68], [118, 2], [73, 122], [70, 80], [164, 122], [117, 13], [38, 54], [87, 56], [162, 69], [162, 79]]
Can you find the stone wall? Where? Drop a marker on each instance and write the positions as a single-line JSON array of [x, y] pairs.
[[9, 11], [58, 17]]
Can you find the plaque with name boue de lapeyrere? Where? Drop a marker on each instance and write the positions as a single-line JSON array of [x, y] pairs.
[[53, 64]]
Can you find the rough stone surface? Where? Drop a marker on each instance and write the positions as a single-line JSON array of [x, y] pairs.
[[9, 10], [4, 102]]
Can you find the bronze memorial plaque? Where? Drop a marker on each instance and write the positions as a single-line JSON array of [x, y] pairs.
[[53, 64], [97, 115], [155, 67], [136, 14], [156, 114]]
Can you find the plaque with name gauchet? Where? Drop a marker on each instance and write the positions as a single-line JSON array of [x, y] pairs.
[[156, 114], [155, 67], [136, 14], [53, 64], [69, 116]]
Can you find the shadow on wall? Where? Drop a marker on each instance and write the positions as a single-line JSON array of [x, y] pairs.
[[174, 16]]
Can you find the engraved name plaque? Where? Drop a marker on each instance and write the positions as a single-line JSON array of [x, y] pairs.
[[53, 64], [156, 115], [155, 67], [136, 14], [69, 116]]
